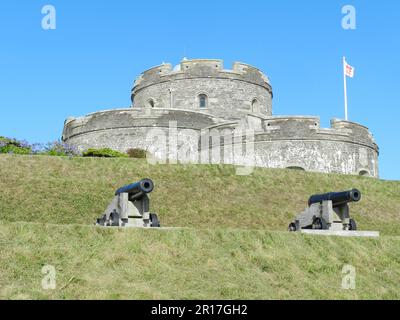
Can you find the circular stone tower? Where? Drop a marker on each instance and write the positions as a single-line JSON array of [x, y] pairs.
[[205, 86]]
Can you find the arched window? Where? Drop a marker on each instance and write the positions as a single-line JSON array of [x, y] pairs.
[[203, 101], [150, 103], [255, 106]]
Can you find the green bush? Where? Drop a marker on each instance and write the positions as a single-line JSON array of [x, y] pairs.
[[137, 153], [11, 149], [14, 146], [104, 153]]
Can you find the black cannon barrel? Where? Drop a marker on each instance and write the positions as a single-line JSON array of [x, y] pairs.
[[337, 198], [143, 186]]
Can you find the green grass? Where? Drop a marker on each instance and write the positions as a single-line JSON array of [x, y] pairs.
[[236, 246], [94, 263]]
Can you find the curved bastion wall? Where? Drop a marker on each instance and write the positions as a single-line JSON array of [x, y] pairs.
[[214, 130], [298, 142], [147, 129]]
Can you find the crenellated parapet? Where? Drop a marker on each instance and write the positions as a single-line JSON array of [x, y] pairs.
[[301, 128], [153, 75], [201, 68]]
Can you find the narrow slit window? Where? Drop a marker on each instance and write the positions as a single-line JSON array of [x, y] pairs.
[[203, 101]]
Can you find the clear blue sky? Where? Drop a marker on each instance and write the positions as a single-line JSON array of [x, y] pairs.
[[99, 47]]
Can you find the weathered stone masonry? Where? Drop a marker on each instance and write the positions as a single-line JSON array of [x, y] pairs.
[[200, 95]]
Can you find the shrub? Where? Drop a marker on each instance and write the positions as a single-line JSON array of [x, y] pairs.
[[13, 146], [58, 148], [104, 153], [137, 153]]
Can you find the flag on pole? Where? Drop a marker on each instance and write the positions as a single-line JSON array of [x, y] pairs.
[[348, 70]]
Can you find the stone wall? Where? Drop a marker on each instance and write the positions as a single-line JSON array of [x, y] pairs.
[[152, 130], [299, 142]]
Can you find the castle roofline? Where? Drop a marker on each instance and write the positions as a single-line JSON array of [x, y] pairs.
[[202, 60]]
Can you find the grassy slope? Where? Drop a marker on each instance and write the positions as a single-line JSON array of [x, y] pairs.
[[223, 256], [61, 191]]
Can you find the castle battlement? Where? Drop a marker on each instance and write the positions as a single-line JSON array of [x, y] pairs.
[[300, 128], [200, 68]]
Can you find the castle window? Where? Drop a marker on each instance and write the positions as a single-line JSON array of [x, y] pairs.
[[255, 106], [203, 101], [150, 103]]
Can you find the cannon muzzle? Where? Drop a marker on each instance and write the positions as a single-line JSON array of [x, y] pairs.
[[337, 198], [141, 187]]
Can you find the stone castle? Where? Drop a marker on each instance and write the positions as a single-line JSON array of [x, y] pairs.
[[199, 101]]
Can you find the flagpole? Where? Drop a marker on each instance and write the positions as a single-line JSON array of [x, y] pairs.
[[345, 89]]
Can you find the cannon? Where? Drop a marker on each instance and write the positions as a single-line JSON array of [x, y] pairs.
[[131, 207], [328, 211]]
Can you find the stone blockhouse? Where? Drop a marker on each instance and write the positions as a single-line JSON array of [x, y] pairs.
[[199, 112]]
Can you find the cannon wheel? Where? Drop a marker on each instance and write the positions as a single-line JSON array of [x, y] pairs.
[[319, 224], [292, 227], [352, 225], [155, 223]]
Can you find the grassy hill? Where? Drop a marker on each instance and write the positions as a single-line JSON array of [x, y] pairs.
[[235, 246]]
